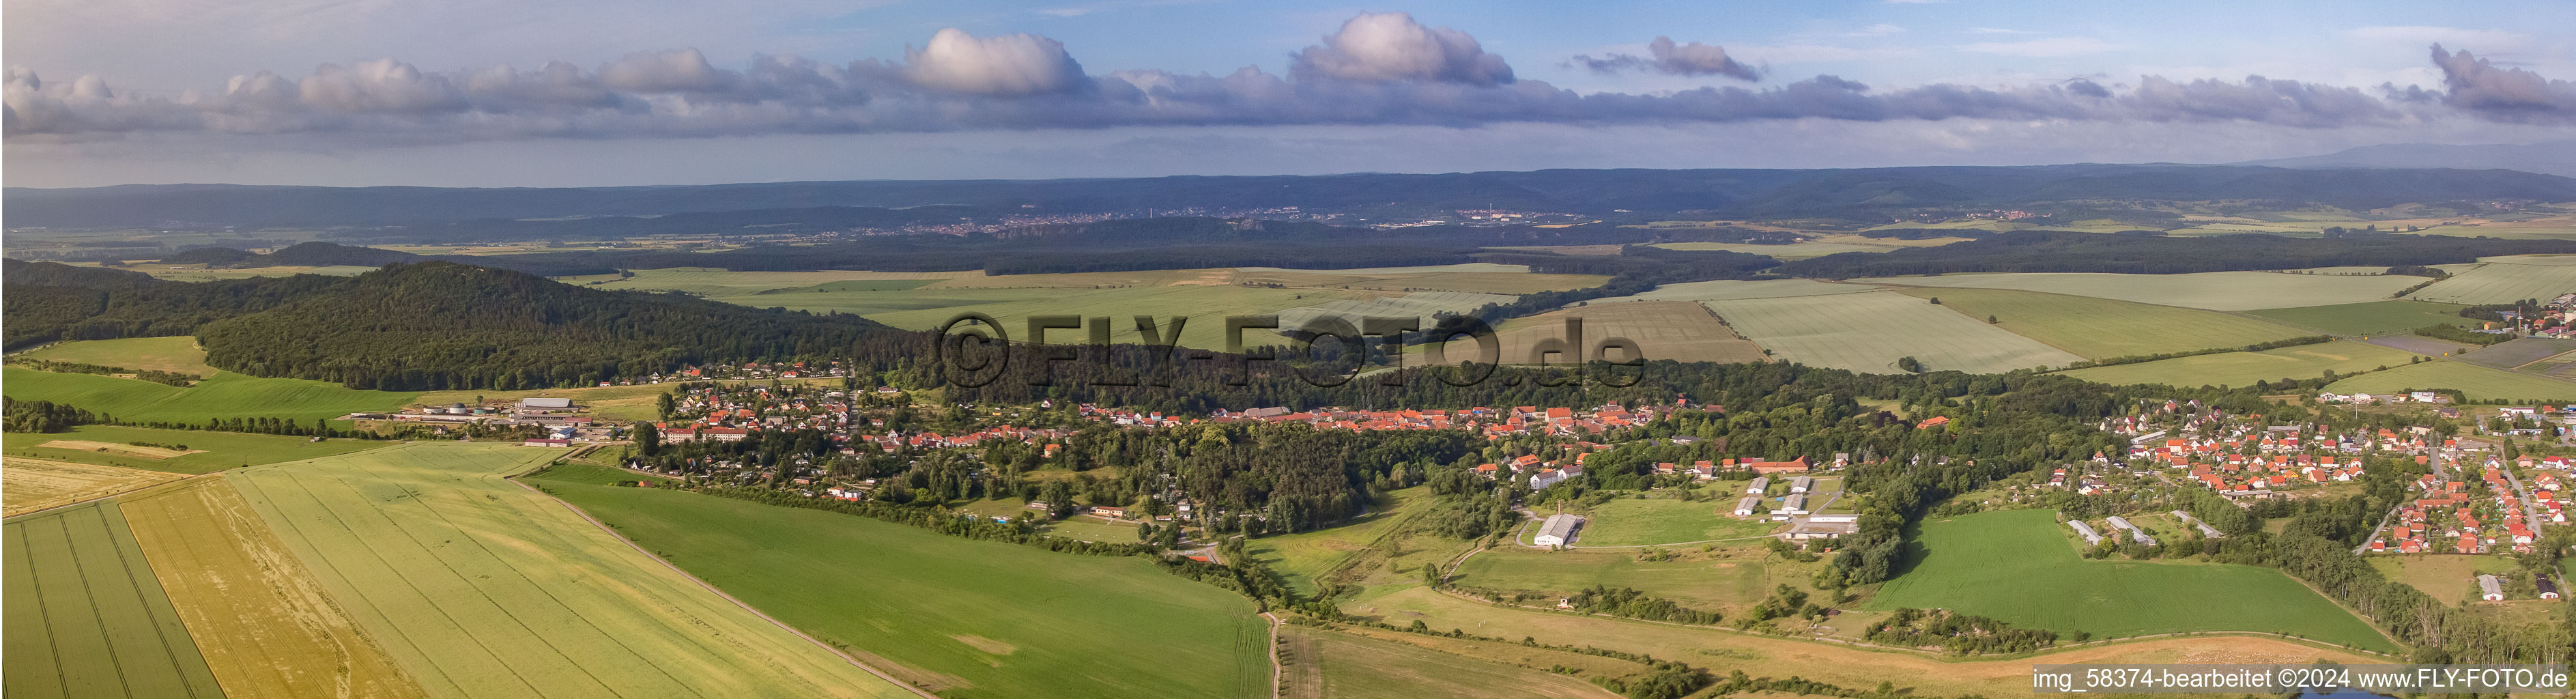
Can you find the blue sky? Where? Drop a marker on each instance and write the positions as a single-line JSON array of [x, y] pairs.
[[385, 92]]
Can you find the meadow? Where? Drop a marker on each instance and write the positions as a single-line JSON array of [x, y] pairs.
[[1632, 521], [2506, 280], [277, 633], [28, 485], [475, 586], [2368, 318], [1421, 305], [1676, 330], [2021, 567], [1318, 664], [2245, 368], [1305, 557], [172, 354], [207, 451], [961, 617], [1727, 580], [2217, 291], [2100, 328], [2476, 381], [86, 618], [2448, 578], [1868, 332], [225, 395]]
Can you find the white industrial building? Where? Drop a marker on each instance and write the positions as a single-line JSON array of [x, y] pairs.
[[1558, 530]]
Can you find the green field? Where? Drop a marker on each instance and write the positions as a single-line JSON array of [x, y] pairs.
[[1642, 521], [1321, 664], [2506, 280], [172, 354], [1303, 557], [87, 619], [966, 618], [225, 395], [1736, 579], [2218, 291], [1206, 306], [710, 281], [2476, 381], [2371, 318], [2100, 328], [2021, 566], [222, 449], [476, 586], [1868, 332], [1792, 251], [2245, 368]]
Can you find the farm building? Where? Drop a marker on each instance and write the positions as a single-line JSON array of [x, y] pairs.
[[2490, 589], [2205, 529], [1821, 527], [1796, 504], [1747, 506], [2086, 531], [2548, 588], [1802, 484], [1557, 530], [2135, 534], [545, 403], [1760, 484]]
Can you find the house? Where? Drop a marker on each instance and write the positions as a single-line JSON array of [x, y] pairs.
[[2548, 588], [1746, 506], [1558, 530], [546, 443], [1936, 421], [1760, 484], [1110, 511], [2490, 589]]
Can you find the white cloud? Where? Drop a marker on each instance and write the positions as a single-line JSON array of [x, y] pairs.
[[2056, 47], [1017, 64], [2482, 39], [1388, 46]]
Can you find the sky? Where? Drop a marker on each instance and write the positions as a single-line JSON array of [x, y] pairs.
[[499, 93]]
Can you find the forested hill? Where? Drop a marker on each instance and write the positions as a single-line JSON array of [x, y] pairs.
[[321, 254], [439, 325], [2145, 253], [1594, 192]]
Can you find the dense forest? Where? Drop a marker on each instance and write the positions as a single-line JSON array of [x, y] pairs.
[[2140, 253]]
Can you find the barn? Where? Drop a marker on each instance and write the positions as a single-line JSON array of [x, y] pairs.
[[1558, 530]]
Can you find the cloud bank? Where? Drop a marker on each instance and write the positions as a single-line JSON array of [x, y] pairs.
[[1377, 68]]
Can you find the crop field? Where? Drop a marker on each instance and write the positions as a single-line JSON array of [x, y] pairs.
[[1791, 251], [230, 578], [28, 485], [1731, 579], [226, 395], [1675, 330], [1868, 332], [2519, 351], [198, 273], [2476, 381], [1304, 557], [207, 451], [87, 619], [1420, 305], [1643, 521], [2368, 318], [961, 617], [2505, 280], [2245, 368], [2018, 566], [710, 281], [2217, 291], [174, 354], [1725, 289], [1348, 666], [475, 586], [2100, 328], [1206, 307]]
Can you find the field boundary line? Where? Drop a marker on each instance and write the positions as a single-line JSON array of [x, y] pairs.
[[818, 643], [1274, 654], [129, 491]]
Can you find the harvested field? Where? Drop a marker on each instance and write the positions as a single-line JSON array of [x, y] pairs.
[[276, 632], [205, 451], [2219, 291], [28, 485], [1675, 330], [1725, 289], [1868, 332], [1350, 666], [142, 452]]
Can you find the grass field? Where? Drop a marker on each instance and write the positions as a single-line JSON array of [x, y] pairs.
[[172, 354], [2099, 328], [2505, 280], [1725, 289], [1642, 521], [212, 451], [478, 587], [1728, 580], [2448, 578], [2369, 318], [28, 485], [1792, 251], [2245, 368], [2218, 291], [1420, 305], [2018, 566], [1318, 664], [226, 395], [1304, 557], [1206, 307], [273, 631], [1675, 330], [87, 619], [2476, 381], [966, 618], [1868, 332]]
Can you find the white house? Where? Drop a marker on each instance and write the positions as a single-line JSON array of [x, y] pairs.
[[1557, 530], [2490, 589]]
